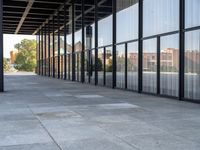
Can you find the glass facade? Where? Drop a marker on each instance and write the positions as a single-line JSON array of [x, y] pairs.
[[160, 16], [149, 66], [192, 65], [127, 20], [148, 46], [169, 65], [120, 63], [132, 66]]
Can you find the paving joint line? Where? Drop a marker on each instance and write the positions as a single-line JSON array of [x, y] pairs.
[[45, 129]]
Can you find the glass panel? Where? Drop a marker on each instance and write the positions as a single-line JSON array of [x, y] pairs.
[[192, 63], [101, 66], [192, 11], [86, 63], [120, 60], [89, 24], [127, 20], [132, 66], [92, 66], [169, 65], [105, 23], [78, 66], [150, 65], [109, 68], [69, 63], [160, 16]]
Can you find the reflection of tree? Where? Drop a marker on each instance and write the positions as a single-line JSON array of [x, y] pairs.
[[120, 63], [109, 65], [99, 65]]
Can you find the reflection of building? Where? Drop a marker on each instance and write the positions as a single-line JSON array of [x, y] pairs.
[[13, 55], [192, 59], [168, 58]]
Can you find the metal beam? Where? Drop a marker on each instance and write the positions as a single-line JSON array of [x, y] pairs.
[[30, 4], [1, 48]]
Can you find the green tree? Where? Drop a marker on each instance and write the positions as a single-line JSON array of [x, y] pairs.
[[26, 57], [6, 65]]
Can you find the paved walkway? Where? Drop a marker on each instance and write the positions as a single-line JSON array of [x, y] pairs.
[[39, 113]]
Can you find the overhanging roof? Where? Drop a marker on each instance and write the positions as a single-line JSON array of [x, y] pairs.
[[28, 16]]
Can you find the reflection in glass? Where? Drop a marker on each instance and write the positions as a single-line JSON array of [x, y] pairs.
[[78, 66], [109, 68], [105, 23], [169, 65], [192, 64], [160, 16], [120, 63], [127, 20], [92, 66], [192, 11], [100, 67], [78, 49], [89, 24], [149, 65], [132, 66], [69, 64], [105, 31], [86, 63]]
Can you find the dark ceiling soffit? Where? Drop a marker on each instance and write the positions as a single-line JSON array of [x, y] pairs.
[[51, 16], [79, 16]]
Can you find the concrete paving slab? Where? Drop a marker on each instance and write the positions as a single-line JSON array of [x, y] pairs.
[[39, 113]]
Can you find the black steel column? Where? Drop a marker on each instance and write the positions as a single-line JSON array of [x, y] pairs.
[[158, 65], [39, 54], [49, 51], [1, 48], [140, 46], [114, 42], [126, 65], [182, 49], [96, 42], [42, 50], [73, 52], [45, 50], [83, 44], [65, 43], [58, 45], [53, 42]]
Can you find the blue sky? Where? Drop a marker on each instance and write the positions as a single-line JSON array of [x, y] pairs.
[[11, 39]]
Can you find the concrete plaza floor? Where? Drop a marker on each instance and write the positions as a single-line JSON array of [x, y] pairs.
[[40, 113]]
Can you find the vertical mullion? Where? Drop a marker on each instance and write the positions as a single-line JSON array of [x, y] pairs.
[[104, 66], [1, 48], [140, 46], [83, 44], [65, 44], [158, 65], [58, 19], [53, 42], [39, 53], [73, 55], [114, 43], [73, 52], [126, 65], [182, 49], [96, 42]]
